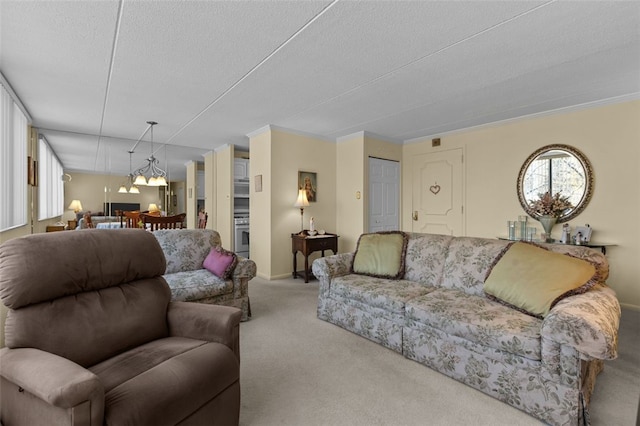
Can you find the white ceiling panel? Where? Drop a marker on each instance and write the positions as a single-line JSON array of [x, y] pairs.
[[504, 54], [210, 72], [350, 45], [174, 58], [56, 56]]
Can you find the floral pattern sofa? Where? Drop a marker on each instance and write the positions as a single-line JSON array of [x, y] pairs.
[[185, 251], [438, 315]]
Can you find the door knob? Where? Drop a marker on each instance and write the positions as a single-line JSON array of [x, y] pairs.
[[415, 215]]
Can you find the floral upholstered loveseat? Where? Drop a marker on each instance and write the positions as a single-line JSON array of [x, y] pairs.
[[438, 314], [185, 251]]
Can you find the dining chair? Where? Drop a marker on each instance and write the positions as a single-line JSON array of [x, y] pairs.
[[120, 217], [131, 219], [153, 223]]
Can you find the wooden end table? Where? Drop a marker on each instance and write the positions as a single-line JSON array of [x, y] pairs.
[[306, 244]]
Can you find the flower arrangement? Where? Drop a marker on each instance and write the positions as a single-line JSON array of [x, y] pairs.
[[547, 205]]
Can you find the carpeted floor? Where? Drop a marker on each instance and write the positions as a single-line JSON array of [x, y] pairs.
[[299, 370]]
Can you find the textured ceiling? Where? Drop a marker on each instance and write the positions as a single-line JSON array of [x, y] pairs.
[[92, 73]]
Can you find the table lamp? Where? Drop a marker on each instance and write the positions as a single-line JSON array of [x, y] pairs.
[[301, 202], [153, 209], [76, 206]]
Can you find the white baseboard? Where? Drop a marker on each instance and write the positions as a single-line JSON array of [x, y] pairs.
[[273, 277], [630, 307]]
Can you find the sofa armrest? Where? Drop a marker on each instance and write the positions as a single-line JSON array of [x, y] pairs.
[[327, 268], [245, 268], [55, 380], [587, 322], [244, 271], [213, 323]]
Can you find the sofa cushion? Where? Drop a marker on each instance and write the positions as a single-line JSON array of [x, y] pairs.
[[380, 255], [467, 262], [378, 292], [220, 262], [178, 374], [186, 249], [534, 279], [477, 319], [424, 261], [191, 286], [34, 269], [81, 327]]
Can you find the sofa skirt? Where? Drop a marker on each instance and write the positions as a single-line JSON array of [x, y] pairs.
[[378, 325], [522, 383]]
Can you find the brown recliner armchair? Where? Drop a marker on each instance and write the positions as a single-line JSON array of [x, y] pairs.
[[92, 337]]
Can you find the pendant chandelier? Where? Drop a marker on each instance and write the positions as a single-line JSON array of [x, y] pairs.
[[157, 176], [133, 189]]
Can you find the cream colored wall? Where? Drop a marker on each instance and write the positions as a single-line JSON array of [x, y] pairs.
[[192, 194], [352, 164], [292, 153], [260, 204], [278, 156], [210, 193], [609, 136], [224, 195], [350, 180], [178, 189]]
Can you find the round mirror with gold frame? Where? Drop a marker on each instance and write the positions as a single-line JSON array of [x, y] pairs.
[[556, 169]]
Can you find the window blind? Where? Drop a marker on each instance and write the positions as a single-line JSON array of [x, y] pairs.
[[50, 185], [13, 163]]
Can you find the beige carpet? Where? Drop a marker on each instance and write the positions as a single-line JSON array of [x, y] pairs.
[[299, 370]]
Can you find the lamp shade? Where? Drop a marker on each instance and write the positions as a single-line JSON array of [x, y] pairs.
[[122, 189], [153, 207], [302, 199], [75, 205], [134, 190], [140, 180]]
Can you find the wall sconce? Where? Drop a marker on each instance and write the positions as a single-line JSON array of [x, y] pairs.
[[302, 202]]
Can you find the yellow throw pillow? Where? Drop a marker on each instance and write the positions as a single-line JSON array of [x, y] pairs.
[[533, 279], [380, 255]]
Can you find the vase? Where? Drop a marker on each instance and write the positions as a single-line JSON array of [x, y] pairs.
[[548, 223]]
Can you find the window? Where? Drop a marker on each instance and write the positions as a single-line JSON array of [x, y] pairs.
[[556, 171], [50, 185], [13, 162]]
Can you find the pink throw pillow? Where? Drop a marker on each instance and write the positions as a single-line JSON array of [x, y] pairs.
[[220, 262]]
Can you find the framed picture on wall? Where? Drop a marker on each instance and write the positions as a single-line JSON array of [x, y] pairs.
[[309, 182]]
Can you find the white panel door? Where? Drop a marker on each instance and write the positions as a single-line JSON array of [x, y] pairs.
[[384, 199], [437, 193]]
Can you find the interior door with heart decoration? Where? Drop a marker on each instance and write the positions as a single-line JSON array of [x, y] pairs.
[[437, 193]]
